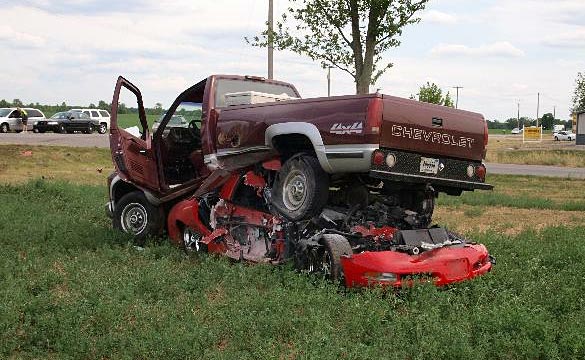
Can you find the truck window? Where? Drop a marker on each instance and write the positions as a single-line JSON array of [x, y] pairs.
[[227, 86], [104, 114], [128, 117]]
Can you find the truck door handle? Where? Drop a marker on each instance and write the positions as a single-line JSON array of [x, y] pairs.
[[142, 152]]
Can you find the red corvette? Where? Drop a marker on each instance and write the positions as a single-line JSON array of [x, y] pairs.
[[355, 246]]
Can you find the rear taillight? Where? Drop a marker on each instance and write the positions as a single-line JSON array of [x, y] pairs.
[[480, 172], [374, 115], [378, 157]]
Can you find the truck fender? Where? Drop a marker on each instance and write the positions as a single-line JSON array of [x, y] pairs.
[[301, 128], [117, 181]]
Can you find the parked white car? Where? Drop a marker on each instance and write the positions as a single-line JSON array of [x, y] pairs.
[[564, 135], [517, 131], [102, 116], [10, 119]]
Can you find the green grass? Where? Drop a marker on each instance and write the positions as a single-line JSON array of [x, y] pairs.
[[525, 192], [128, 120], [569, 158], [485, 198], [74, 288]]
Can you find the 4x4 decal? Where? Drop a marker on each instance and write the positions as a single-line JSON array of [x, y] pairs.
[[341, 129]]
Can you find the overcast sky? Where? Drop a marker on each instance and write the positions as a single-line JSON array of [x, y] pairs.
[[500, 51]]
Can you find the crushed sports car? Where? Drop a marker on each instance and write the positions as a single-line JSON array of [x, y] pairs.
[[341, 186]]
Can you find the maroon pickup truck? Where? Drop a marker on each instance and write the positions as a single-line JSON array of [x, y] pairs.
[[337, 151]]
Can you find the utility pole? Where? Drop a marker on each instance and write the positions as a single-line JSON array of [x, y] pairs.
[[457, 96], [537, 109], [328, 81], [554, 113], [270, 39], [518, 118]]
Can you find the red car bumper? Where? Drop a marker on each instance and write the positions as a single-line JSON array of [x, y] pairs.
[[441, 266]]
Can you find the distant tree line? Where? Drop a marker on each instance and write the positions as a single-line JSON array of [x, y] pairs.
[[547, 121], [49, 110]]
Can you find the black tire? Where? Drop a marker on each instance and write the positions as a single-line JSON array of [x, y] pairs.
[[335, 246], [4, 128], [61, 129], [42, 131], [301, 188], [35, 130], [135, 215], [192, 241], [89, 129], [556, 138], [103, 128]]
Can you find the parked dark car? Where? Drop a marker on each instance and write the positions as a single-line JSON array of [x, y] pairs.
[[67, 122]]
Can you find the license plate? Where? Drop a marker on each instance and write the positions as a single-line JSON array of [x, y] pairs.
[[429, 165]]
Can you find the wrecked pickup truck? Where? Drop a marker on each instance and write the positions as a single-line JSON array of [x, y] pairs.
[[263, 175]]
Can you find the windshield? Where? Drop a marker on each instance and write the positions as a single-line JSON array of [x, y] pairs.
[[225, 86], [60, 115], [5, 112]]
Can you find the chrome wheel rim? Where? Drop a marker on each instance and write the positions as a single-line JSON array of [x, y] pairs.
[[134, 218], [103, 128], [295, 190], [191, 239]]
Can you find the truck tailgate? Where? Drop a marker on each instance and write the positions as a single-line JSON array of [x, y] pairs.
[[432, 129]]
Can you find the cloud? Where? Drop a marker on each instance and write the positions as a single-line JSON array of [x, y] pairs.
[[87, 6], [573, 39], [497, 49], [19, 39], [439, 17]]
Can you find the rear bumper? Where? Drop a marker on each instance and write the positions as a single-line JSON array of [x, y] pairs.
[[441, 266], [451, 172], [460, 184]]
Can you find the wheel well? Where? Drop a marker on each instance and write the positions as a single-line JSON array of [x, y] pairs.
[[7, 125], [290, 144], [122, 188]]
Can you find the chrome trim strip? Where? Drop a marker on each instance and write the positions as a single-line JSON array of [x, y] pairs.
[[223, 152]]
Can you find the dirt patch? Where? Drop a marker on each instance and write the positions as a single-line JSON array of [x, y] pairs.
[[510, 221]]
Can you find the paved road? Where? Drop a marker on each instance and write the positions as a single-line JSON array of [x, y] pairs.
[[102, 141], [536, 170], [78, 140]]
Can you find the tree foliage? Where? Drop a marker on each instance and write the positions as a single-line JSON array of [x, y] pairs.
[[579, 94], [432, 93], [350, 35], [547, 121]]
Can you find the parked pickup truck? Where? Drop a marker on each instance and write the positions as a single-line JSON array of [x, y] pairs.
[[336, 151]]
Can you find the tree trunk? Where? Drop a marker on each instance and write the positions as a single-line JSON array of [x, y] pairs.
[[362, 85]]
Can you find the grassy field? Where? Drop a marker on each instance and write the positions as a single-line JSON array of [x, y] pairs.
[[74, 288], [127, 120], [511, 150]]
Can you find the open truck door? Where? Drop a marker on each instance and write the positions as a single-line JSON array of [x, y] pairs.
[[130, 139]]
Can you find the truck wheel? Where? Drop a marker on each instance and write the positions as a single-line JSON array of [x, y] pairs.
[[301, 188], [192, 241], [135, 215], [61, 129], [103, 128], [4, 128], [335, 246], [89, 129]]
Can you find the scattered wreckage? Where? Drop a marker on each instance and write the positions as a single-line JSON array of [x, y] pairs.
[[344, 186]]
